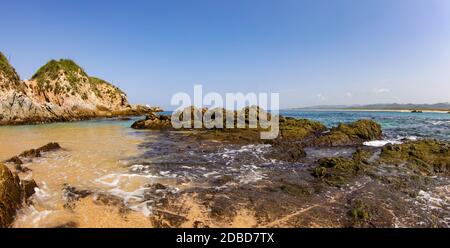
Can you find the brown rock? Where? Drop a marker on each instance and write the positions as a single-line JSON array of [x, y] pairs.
[[10, 196], [28, 188]]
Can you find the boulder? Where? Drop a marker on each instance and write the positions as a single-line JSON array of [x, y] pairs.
[[350, 134], [153, 121], [10, 195]]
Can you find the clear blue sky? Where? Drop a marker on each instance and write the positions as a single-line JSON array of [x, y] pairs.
[[311, 52]]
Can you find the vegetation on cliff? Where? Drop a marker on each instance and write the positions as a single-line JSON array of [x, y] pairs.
[[8, 72], [49, 76]]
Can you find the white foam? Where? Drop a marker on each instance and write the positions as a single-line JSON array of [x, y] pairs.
[[381, 143]]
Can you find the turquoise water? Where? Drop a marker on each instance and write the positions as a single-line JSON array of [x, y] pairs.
[[396, 125]]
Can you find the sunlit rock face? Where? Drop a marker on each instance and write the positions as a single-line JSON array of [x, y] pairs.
[[59, 91]]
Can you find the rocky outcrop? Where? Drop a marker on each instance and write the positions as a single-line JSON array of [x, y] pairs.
[[32, 153], [13, 192], [426, 157], [153, 121], [299, 129], [351, 134], [59, 91]]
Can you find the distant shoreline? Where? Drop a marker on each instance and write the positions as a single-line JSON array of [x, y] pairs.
[[373, 110]]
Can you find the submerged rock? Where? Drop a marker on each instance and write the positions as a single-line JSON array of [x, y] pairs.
[[286, 151], [72, 194], [14, 160], [28, 188], [299, 129]]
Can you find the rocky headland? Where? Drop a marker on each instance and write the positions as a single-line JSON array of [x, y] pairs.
[[59, 91]]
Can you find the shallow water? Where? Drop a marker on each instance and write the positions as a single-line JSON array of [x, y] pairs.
[[92, 152]]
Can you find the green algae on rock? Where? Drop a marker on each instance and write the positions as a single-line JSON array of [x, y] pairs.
[[427, 157], [335, 170], [351, 134], [299, 129]]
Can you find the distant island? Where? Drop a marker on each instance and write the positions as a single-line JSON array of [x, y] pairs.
[[437, 107]]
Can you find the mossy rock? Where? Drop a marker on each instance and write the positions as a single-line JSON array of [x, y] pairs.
[[351, 134], [10, 195], [296, 190], [287, 151], [299, 129], [8, 71], [335, 171], [427, 157], [360, 212]]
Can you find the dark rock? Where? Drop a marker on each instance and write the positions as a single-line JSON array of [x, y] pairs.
[[159, 186], [14, 160], [35, 153], [10, 195], [49, 147], [28, 188], [20, 168], [221, 208], [296, 190], [110, 200], [286, 151], [72, 194], [69, 224], [32, 153], [153, 121], [223, 180]]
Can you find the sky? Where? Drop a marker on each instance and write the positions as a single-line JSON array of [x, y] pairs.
[[312, 52]]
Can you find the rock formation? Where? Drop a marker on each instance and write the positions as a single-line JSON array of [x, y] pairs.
[[59, 91], [13, 192]]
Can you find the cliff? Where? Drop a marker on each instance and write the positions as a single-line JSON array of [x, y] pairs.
[[59, 91]]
